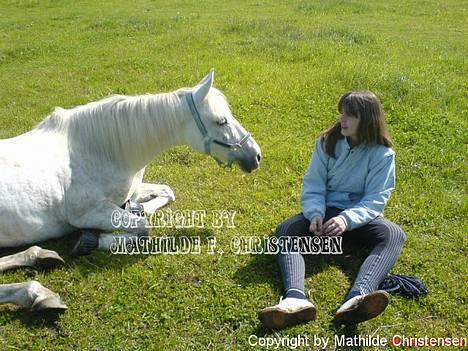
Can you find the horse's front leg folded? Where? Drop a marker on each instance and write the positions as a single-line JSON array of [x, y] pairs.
[[153, 196], [100, 222]]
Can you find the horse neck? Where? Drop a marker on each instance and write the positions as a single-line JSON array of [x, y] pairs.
[[131, 131]]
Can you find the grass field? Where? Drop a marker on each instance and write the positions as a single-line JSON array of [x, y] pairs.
[[283, 65]]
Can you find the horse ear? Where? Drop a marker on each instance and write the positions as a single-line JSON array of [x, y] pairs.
[[201, 89]]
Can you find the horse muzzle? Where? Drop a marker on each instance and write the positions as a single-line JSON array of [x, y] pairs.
[[249, 164]]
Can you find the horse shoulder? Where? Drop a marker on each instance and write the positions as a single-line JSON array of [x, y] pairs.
[[91, 186]]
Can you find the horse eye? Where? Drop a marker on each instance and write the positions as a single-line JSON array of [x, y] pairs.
[[222, 121]]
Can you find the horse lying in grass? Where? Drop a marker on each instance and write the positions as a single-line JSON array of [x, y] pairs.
[[78, 167]]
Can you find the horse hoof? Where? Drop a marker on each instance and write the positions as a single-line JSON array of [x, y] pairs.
[[87, 243], [51, 303], [48, 259]]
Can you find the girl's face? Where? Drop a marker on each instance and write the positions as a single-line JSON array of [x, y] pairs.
[[349, 126]]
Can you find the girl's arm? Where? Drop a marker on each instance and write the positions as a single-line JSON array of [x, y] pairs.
[[379, 184], [314, 184]]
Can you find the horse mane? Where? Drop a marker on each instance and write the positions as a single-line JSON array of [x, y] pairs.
[[122, 128], [117, 127]]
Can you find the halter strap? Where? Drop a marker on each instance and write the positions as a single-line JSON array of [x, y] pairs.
[[204, 132]]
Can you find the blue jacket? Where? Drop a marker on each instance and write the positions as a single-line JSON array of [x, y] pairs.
[[359, 181]]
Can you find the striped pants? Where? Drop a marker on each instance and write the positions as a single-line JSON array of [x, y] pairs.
[[385, 238]]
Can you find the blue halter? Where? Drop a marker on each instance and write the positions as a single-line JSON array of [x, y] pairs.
[[208, 140]]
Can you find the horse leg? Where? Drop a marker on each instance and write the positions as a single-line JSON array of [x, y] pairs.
[[32, 257], [153, 196], [107, 218], [31, 294]]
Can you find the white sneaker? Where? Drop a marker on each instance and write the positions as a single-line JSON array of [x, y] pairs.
[[362, 307], [287, 312], [350, 304]]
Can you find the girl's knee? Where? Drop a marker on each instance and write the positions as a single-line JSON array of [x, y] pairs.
[[297, 225], [394, 235], [401, 235], [391, 234], [281, 229]]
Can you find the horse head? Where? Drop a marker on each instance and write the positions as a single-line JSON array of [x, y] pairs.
[[217, 132]]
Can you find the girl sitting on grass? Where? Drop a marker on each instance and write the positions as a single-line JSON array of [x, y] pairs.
[[345, 190]]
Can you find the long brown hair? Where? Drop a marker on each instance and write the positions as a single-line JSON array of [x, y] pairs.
[[372, 129]]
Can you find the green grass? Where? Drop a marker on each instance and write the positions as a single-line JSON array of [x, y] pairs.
[[283, 66]]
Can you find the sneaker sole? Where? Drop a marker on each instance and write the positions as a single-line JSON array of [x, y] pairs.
[[275, 318], [370, 307]]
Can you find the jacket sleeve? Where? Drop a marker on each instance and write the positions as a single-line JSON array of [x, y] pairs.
[[314, 184], [380, 182]]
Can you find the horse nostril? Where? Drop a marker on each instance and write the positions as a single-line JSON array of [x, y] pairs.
[[259, 158]]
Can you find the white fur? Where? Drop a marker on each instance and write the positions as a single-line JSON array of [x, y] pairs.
[[80, 165]]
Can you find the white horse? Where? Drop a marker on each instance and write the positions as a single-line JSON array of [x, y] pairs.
[[78, 167]]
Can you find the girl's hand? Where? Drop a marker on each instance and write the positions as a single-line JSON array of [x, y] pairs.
[[316, 225], [334, 226]]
